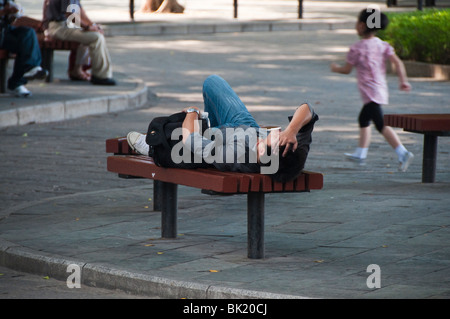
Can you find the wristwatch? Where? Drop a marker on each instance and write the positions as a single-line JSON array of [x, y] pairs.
[[191, 110]]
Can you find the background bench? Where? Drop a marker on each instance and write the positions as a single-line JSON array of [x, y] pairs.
[[47, 45], [166, 181], [431, 126]]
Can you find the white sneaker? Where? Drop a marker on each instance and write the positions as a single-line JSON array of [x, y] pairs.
[[21, 91], [36, 73], [137, 143], [405, 161], [354, 158]]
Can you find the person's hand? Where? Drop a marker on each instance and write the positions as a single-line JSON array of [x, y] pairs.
[[405, 86], [334, 67], [289, 139], [95, 28]]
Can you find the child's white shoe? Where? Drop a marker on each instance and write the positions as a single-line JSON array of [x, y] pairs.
[[405, 161], [355, 158]]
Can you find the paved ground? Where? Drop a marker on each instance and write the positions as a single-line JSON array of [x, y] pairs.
[[60, 205], [21, 285]]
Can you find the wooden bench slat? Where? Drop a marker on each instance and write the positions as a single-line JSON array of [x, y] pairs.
[[112, 145], [314, 180], [243, 180], [210, 179], [58, 44], [300, 183], [419, 122], [118, 146], [289, 186], [143, 166]]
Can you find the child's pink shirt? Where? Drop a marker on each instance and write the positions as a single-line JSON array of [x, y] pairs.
[[368, 56]]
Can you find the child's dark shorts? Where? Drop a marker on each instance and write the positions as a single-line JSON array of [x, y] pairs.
[[371, 112]]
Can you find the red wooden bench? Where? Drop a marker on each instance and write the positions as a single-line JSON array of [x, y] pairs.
[[166, 181], [48, 47], [432, 126]]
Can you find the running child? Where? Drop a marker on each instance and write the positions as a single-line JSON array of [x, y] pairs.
[[368, 56]]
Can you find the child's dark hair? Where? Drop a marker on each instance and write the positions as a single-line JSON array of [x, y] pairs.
[[372, 21]]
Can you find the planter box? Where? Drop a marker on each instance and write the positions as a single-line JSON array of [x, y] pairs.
[[426, 70]]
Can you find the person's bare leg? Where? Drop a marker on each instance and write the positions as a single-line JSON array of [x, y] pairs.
[[365, 134], [360, 153], [404, 156], [391, 137]]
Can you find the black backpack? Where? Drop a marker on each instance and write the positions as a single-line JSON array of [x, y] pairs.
[[159, 139]]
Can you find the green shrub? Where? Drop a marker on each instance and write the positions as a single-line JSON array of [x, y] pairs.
[[420, 35]]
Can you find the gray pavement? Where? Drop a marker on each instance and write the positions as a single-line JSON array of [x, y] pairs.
[[60, 206], [22, 285]]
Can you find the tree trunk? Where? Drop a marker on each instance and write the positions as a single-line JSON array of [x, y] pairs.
[[162, 6]]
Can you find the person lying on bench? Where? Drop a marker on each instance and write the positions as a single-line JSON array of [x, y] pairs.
[[235, 142]]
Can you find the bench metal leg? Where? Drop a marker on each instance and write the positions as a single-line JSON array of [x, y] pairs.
[[255, 225], [3, 75], [157, 195], [47, 63], [169, 210], [132, 10], [429, 158], [300, 9]]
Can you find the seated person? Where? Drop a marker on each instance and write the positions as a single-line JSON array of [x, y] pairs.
[[81, 30], [79, 59], [235, 142], [23, 42]]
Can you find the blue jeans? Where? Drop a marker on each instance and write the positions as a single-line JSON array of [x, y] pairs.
[[223, 105], [24, 43]]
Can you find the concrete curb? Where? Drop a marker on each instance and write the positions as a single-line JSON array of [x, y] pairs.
[[167, 28], [23, 259], [71, 109]]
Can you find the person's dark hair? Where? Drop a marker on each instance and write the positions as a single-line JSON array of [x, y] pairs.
[[366, 17], [290, 166]]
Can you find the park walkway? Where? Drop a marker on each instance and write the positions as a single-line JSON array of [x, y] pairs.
[[60, 205]]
